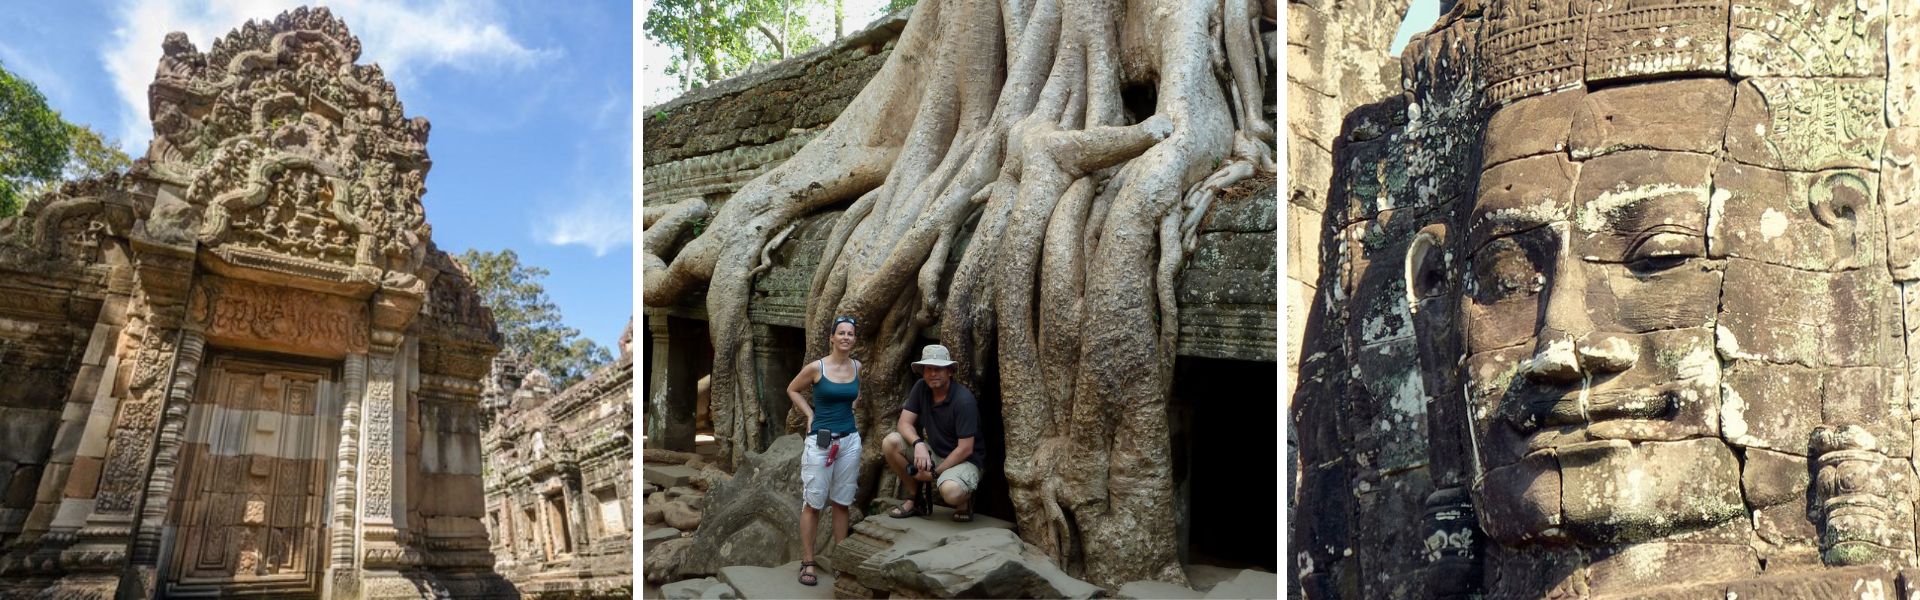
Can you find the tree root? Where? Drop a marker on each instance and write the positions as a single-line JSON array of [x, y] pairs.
[[1086, 216]]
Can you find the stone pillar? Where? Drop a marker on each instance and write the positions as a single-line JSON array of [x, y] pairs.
[[385, 549], [342, 575], [775, 361], [656, 433], [670, 400], [103, 491], [576, 513]]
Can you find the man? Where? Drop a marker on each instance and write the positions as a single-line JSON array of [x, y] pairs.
[[946, 455]]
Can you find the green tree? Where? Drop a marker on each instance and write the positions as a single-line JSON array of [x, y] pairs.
[[39, 149], [716, 39], [528, 320], [894, 6], [33, 141]]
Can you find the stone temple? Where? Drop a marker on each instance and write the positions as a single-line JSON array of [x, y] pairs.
[[244, 368], [559, 478], [1613, 299], [709, 142]]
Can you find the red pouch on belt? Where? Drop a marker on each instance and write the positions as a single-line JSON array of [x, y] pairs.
[[832, 452]]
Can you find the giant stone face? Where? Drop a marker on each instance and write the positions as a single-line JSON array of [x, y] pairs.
[[1655, 314]]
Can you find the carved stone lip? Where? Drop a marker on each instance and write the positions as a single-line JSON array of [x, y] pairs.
[[1535, 409]]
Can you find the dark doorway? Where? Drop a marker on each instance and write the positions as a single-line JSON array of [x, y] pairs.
[[689, 358], [1222, 420]]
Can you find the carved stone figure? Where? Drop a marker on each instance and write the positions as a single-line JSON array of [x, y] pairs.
[[1653, 263]]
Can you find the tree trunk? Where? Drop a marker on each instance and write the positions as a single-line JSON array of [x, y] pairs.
[[1012, 109]]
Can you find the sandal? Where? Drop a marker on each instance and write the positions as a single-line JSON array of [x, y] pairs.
[[903, 511], [964, 512], [806, 578]]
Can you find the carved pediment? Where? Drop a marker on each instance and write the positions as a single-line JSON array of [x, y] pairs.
[[291, 154]]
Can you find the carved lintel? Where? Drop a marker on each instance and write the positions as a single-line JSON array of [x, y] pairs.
[[257, 316], [1851, 502]]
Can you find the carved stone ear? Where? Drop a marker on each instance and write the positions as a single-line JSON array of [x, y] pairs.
[[1838, 201], [1427, 273]]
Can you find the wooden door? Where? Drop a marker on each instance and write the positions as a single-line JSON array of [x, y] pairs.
[[251, 507]]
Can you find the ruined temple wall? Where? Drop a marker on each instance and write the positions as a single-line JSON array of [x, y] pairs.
[[708, 142], [558, 480]]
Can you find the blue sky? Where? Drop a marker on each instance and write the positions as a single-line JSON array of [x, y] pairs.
[[1421, 16], [531, 104]]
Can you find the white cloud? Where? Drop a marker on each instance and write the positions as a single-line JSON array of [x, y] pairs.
[[595, 208], [602, 221], [404, 37]]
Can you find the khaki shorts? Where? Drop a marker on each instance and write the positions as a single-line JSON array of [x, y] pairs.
[[966, 473]]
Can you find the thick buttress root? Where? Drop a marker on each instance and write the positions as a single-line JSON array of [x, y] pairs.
[[1083, 213]]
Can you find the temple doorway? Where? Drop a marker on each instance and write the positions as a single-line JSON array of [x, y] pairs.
[[255, 469]]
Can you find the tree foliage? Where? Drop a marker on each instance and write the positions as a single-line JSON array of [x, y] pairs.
[[38, 148], [33, 140], [528, 320], [716, 39]]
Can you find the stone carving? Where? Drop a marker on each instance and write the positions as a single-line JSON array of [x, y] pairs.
[[1852, 496], [275, 221], [1631, 39], [547, 451], [1809, 39], [266, 315], [1658, 347], [290, 149], [379, 448]]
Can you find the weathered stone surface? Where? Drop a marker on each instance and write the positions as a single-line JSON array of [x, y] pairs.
[[1532, 126], [1536, 481], [664, 562], [754, 583], [560, 483], [655, 535], [1789, 39], [668, 476], [1606, 487], [681, 516], [196, 346], [1771, 478], [1147, 590], [1785, 123], [1823, 221], [1248, 584], [695, 589], [1769, 406], [751, 519], [1628, 39], [982, 563], [1630, 117]]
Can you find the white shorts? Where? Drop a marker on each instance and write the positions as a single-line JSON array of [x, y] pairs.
[[820, 483]]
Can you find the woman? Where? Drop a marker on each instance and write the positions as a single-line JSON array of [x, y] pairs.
[[830, 464]]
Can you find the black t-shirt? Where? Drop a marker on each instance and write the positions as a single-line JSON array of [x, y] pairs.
[[945, 423]]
